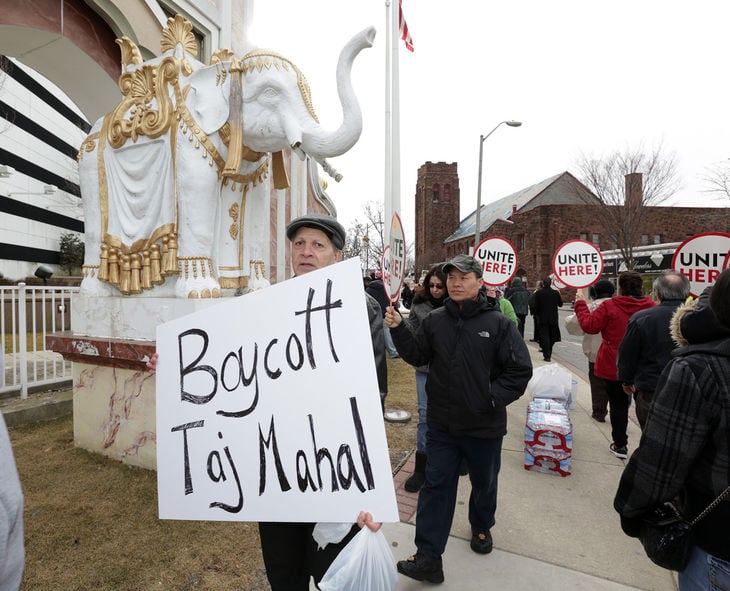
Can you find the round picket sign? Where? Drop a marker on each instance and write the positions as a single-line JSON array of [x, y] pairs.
[[394, 260], [498, 258], [578, 263], [702, 258]]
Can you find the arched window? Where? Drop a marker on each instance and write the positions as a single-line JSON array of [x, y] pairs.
[[436, 189]]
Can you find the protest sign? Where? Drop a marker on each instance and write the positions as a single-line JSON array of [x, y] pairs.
[[394, 260], [578, 263], [498, 259], [702, 258], [268, 407]]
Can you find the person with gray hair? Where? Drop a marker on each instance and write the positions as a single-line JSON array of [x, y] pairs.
[[647, 345]]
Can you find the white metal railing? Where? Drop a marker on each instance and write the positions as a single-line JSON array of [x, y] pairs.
[[27, 315]]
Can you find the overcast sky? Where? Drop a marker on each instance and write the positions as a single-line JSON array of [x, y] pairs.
[[583, 77]]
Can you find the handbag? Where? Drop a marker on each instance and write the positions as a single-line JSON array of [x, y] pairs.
[[667, 536]]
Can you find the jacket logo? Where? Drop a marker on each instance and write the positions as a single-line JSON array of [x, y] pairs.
[[484, 333]]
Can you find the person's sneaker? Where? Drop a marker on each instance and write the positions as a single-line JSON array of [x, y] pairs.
[[481, 542], [619, 452], [422, 568]]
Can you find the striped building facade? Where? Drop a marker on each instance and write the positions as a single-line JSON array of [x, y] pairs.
[[40, 200]]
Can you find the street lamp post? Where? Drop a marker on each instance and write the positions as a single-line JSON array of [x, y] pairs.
[[477, 229]]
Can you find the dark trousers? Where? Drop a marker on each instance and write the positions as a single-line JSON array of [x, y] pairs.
[[291, 555], [618, 402], [545, 338], [642, 398], [521, 323], [437, 499], [536, 329], [599, 395]]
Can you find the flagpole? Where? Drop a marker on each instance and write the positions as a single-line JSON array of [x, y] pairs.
[[395, 109], [388, 170]]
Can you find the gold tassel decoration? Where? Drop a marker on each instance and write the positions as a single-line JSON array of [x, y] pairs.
[[164, 261], [155, 268], [125, 277], [104, 263], [145, 279], [171, 254], [135, 272], [113, 266]]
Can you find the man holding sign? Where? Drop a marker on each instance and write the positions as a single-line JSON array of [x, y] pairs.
[[291, 553], [478, 364]]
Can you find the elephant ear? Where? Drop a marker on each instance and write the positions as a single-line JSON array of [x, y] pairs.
[[207, 99]]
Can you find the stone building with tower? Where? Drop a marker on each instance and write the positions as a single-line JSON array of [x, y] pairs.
[[437, 211], [539, 218]]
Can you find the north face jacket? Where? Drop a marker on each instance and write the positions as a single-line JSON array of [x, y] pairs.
[[478, 364]]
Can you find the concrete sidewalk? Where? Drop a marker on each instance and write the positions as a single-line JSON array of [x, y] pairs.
[[552, 533]]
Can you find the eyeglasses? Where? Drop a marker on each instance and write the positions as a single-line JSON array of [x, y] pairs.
[[436, 285]]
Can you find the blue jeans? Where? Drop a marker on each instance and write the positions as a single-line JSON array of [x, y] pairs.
[[437, 499], [705, 572], [389, 345], [422, 428]]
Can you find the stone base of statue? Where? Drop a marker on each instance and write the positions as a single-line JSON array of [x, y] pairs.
[[113, 392]]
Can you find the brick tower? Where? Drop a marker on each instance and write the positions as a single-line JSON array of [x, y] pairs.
[[437, 211]]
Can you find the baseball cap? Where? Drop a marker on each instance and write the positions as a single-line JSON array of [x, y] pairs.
[[329, 225], [464, 263]]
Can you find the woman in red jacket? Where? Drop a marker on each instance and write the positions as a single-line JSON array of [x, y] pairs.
[[610, 319]]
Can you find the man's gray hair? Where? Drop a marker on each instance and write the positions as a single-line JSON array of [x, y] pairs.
[[671, 285]]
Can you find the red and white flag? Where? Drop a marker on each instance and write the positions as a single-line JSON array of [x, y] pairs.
[[404, 34]]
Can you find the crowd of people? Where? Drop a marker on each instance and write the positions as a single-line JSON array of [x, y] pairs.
[[466, 341]]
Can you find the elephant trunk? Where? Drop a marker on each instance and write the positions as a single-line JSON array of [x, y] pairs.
[[319, 143], [235, 142]]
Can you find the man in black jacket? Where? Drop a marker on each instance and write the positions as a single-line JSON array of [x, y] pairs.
[[647, 345], [478, 364]]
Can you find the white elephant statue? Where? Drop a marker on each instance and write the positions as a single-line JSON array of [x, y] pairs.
[[186, 138]]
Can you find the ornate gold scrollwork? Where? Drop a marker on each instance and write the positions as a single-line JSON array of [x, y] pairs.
[[130, 51], [144, 89], [179, 30]]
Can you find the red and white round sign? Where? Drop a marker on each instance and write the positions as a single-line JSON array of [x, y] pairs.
[[394, 260], [702, 258], [498, 259], [578, 263]]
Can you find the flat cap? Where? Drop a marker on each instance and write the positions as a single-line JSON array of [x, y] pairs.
[[464, 263], [329, 225]]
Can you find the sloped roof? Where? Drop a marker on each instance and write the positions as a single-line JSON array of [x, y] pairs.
[[562, 188]]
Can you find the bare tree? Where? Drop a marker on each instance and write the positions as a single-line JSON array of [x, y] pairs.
[[625, 184], [717, 179]]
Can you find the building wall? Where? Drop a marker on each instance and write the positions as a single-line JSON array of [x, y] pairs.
[[40, 132], [437, 211]]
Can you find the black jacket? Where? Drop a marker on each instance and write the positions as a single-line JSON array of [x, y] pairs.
[[647, 346], [519, 297], [545, 302], [478, 364], [377, 291]]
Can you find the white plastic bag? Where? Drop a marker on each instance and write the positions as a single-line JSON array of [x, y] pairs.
[[366, 563], [550, 381]]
